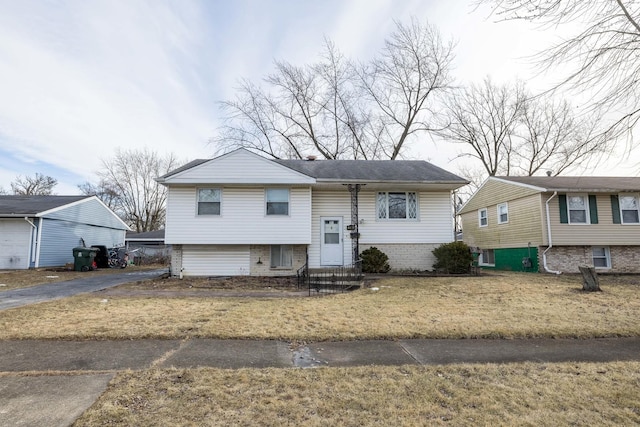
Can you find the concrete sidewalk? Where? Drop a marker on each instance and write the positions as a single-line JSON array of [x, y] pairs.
[[27, 355], [70, 375]]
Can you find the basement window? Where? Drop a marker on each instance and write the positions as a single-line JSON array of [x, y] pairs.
[[601, 257], [487, 257], [281, 256]]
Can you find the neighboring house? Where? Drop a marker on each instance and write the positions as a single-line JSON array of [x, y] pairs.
[[558, 222], [41, 231], [243, 214], [147, 244]]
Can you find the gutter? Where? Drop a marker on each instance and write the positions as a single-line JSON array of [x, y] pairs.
[[34, 241], [550, 245]]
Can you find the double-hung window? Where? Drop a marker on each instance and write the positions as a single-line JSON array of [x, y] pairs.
[[629, 209], [601, 257], [483, 218], [503, 213], [209, 201], [277, 201], [578, 207], [397, 205]]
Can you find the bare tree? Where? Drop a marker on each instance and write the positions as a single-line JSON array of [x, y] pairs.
[[3, 191], [553, 137], [601, 55], [509, 132], [140, 199], [104, 191], [484, 118], [411, 71], [39, 184], [339, 110]]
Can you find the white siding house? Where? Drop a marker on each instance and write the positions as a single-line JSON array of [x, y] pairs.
[[243, 214]]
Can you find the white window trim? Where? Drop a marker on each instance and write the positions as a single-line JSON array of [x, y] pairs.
[[587, 209], [198, 201], [607, 255], [406, 193], [486, 217], [620, 207], [266, 190], [506, 205], [481, 258]]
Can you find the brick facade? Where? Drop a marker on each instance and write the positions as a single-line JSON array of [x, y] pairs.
[[260, 256], [410, 256], [624, 259], [176, 260]]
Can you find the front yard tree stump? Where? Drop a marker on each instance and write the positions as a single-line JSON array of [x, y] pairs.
[[590, 282]]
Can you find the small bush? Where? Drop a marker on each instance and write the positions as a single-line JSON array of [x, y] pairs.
[[453, 258], [374, 261]]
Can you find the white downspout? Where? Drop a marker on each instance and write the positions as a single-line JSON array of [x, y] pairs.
[[544, 254], [34, 241]]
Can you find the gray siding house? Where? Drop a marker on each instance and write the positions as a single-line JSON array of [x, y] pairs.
[[41, 231]]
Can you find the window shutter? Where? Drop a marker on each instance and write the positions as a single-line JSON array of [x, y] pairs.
[[615, 209], [564, 216], [593, 209]]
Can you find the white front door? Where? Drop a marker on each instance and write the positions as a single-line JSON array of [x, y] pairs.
[[331, 252]]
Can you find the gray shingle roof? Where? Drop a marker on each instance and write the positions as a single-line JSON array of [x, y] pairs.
[[578, 183], [372, 170], [147, 235], [31, 205], [407, 171], [185, 167]]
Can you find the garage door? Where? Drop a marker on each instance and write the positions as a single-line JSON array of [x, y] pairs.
[[15, 235], [206, 260]]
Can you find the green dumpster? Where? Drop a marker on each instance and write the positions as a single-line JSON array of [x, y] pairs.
[[83, 258]]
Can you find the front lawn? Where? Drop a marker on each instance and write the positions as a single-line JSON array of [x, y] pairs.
[[523, 394], [490, 306]]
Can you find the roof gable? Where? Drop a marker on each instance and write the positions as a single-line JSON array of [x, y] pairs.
[[495, 190], [498, 189], [237, 167], [244, 167], [85, 209]]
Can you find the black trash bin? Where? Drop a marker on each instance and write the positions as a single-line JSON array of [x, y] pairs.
[[102, 256], [83, 258]]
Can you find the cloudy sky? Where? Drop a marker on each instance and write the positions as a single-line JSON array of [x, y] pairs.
[[80, 78]]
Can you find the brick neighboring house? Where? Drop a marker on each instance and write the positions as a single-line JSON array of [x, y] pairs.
[[555, 224]]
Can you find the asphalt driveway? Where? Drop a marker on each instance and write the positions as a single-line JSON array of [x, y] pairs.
[[89, 283]]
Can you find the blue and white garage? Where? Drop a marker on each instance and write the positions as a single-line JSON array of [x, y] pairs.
[[41, 231]]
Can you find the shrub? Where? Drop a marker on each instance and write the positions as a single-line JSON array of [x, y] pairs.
[[453, 258], [374, 261]]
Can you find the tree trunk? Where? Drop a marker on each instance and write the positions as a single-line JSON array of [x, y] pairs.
[[590, 282]]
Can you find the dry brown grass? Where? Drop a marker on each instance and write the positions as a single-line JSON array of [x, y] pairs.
[[525, 394], [497, 306], [17, 279]]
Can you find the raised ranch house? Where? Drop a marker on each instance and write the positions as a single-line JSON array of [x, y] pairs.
[[243, 214], [555, 224], [41, 231]]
